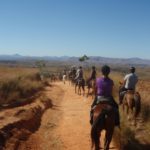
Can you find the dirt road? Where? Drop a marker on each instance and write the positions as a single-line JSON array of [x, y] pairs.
[[65, 126]]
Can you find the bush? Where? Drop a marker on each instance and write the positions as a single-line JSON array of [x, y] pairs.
[[19, 88]]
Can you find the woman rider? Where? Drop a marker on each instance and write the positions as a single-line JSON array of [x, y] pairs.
[[104, 88]]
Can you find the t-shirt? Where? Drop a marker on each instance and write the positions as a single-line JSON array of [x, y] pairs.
[[131, 80], [93, 74], [79, 74], [104, 86]]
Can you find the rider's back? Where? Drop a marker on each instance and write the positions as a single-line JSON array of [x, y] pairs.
[[79, 74], [131, 80], [104, 86], [93, 75]]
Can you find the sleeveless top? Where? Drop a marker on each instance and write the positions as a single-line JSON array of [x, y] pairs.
[[104, 86]]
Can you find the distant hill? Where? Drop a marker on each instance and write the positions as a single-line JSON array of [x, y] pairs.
[[93, 59]]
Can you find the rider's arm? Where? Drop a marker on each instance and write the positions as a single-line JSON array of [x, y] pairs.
[[124, 81]]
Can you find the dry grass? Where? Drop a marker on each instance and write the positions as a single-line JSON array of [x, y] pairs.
[[11, 73], [128, 136], [18, 83]]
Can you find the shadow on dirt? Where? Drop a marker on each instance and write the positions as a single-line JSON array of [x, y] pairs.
[[136, 145]]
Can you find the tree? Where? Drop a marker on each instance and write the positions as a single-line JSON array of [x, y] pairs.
[[83, 58]]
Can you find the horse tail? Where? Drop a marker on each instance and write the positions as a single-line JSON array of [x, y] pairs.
[[137, 98], [97, 123]]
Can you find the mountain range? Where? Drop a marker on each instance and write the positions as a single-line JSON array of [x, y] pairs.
[[92, 59]]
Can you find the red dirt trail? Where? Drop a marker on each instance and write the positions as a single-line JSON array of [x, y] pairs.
[[64, 126]]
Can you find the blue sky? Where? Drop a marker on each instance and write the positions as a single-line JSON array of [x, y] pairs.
[[110, 28]]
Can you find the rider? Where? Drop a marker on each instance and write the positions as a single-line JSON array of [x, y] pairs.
[[129, 83], [93, 74], [79, 74], [104, 87]]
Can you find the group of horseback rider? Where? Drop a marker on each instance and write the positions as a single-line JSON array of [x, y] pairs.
[[78, 74], [104, 88]]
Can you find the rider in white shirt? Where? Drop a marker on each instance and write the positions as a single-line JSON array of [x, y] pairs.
[[129, 83], [79, 74]]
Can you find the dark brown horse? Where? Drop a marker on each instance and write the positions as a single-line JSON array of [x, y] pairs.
[[91, 87], [103, 118], [80, 83], [71, 77], [132, 102]]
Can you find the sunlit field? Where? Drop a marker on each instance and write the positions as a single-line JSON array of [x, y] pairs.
[[20, 83], [17, 84]]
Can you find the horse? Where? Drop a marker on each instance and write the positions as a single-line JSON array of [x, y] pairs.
[[132, 101], [80, 83], [103, 119], [91, 87], [71, 77]]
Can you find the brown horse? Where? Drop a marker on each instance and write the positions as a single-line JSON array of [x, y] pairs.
[[103, 118], [80, 83], [132, 101], [91, 87], [71, 77]]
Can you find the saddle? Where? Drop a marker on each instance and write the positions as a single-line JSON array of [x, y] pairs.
[[130, 91], [103, 110], [80, 80], [103, 100]]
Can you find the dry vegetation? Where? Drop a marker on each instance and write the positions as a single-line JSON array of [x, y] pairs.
[[131, 137], [17, 84]]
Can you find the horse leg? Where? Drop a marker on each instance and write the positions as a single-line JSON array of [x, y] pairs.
[[88, 92], [75, 88], [93, 91], [97, 141], [108, 138], [128, 113], [123, 107], [83, 90], [79, 90], [133, 117]]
